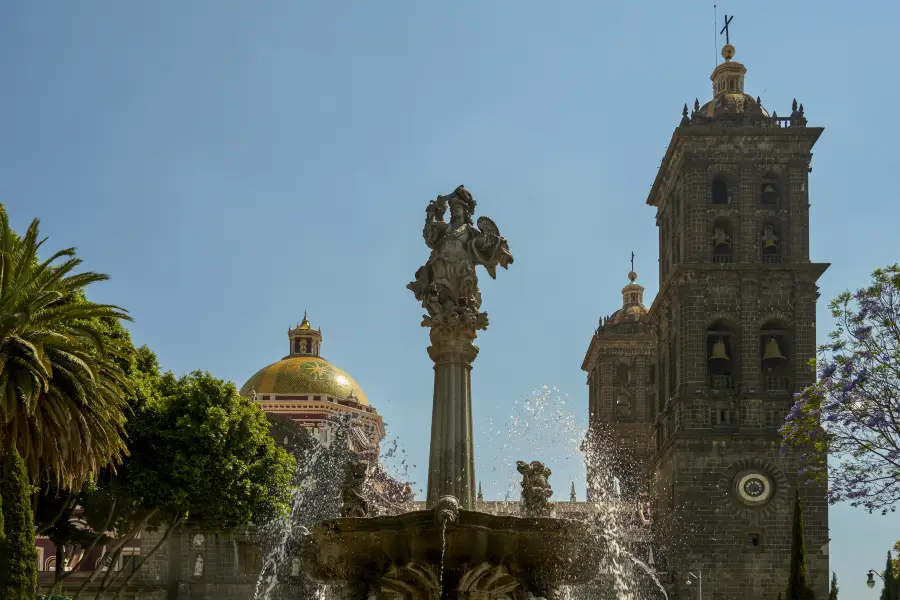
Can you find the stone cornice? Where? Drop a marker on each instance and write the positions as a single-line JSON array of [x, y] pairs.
[[635, 344], [686, 274], [681, 133]]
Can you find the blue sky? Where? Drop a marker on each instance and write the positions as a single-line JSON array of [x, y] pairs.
[[232, 164]]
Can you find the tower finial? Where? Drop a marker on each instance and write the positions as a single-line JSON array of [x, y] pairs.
[[725, 29], [727, 49], [480, 495], [572, 497]]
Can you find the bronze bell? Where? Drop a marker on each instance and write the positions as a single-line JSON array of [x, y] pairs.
[[772, 351], [769, 243], [718, 351]]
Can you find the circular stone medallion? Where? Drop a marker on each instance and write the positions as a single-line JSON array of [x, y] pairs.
[[753, 488]]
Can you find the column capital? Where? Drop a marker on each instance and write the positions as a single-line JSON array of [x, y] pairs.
[[453, 345]]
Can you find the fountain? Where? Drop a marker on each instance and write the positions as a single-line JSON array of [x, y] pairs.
[[450, 551]]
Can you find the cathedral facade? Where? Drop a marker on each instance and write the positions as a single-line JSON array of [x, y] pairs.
[[698, 386]]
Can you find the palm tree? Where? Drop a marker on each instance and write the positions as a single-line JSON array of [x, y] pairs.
[[63, 390]]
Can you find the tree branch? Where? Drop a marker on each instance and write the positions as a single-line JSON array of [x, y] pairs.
[[115, 547], [158, 545]]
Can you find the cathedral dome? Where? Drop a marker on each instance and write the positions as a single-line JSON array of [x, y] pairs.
[[731, 102], [305, 373]]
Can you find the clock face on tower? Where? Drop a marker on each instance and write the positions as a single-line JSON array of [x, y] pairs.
[[753, 488]]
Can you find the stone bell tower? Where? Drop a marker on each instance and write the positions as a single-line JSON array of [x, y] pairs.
[[735, 329], [620, 363]]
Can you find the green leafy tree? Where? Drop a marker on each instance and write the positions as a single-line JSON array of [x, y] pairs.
[[202, 454], [896, 561], [889, 589], [798, 586], [850, 413], [833, 591], [109, 518], [18, 555]]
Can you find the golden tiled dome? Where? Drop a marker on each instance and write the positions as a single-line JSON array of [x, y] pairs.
[[306, 375]]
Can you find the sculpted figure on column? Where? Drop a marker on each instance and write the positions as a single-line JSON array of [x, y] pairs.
[[447, 285]]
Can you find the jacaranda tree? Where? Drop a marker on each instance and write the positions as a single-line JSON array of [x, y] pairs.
[[852, 412]]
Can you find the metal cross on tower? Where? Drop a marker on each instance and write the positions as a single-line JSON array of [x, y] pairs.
[[725, 29], [632, 261]]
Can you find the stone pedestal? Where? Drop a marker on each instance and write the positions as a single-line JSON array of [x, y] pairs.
[[451, 465]]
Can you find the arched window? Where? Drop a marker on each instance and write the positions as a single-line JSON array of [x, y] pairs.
[[770, 243], [722, 358], [722, 241], [774, 351], [720, 193], [769, 191]]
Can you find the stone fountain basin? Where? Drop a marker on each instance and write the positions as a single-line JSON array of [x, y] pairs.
[[477, 554]]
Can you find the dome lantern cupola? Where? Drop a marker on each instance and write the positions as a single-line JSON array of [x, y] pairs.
[[633, 293], [305, 341], [728, 77]]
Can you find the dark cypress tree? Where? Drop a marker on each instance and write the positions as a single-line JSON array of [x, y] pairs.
[[889, 591], [18, 555], [833, 592], [798, 586]]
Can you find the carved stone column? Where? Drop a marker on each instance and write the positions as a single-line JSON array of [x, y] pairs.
[[451, 464]]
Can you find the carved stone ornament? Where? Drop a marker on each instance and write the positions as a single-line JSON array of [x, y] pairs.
[[198, 540], [353, 502], [447, 285], [536, 489], [722, 168], [770, 168]]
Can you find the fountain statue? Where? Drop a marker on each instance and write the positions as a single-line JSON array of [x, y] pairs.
[[353, 502], [450, 551], [536, 489], [447, 287]]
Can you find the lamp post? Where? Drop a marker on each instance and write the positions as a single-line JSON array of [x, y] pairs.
[[870, 580], [699, 578]]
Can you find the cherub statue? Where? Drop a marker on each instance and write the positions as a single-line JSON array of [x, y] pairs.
[[447, 285], [353, 502], [536, 489]]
